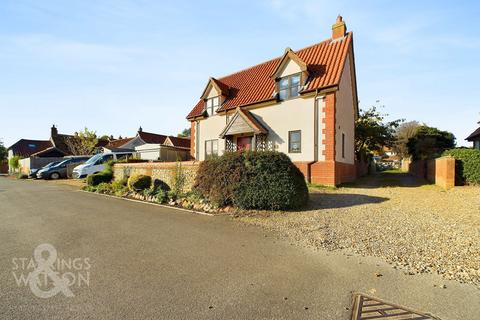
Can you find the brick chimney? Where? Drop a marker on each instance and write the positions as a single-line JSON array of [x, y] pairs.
[[339, 29], [53, 131]]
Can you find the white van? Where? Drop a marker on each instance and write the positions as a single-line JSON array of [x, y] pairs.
[[97, 163]]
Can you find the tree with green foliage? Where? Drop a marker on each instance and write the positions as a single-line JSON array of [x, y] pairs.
[[372, 132], [14, 163], [404, 132], [3, 152], [185, 133], [429, 143], [83, 142]]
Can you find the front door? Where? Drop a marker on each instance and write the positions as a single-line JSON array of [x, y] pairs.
[[244, 143]]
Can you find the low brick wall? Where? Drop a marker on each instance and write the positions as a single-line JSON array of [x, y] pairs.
[[440, 171], [164, 171], [4, 167], [445, 172]]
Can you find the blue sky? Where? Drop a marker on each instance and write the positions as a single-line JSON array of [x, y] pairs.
[[113, 65]]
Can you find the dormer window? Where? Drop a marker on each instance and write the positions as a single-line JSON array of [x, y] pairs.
[[211, 105], [289, 86]]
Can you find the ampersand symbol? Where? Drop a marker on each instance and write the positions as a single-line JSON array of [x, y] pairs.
[[44, 266]]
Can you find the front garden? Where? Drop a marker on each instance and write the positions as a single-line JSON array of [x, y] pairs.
[[240, 180]]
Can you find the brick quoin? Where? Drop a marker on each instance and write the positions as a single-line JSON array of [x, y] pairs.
[[323, 172], [192, 139]]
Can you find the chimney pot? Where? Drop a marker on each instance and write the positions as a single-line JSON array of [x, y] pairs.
[[53, 131], [339, 29], [140, 129]]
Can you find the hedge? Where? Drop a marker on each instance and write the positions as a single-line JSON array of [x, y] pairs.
[[104, 176], [467, 166], [139, 183], [252, 180]]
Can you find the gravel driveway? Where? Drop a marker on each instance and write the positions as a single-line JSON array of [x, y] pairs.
[[415, 227]]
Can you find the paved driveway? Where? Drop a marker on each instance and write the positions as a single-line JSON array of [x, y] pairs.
[[149, 262]]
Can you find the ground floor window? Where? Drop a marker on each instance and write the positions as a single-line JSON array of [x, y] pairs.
[[295, 141], [211, 148]]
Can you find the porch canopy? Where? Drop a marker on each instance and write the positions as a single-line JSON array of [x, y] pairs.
[[244, 123]]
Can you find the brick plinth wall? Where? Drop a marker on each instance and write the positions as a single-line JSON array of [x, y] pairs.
[[345, 172], [304, 167], [323, 173], [440, 171]]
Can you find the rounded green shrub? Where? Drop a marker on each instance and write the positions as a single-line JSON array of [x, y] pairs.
[[162, 196], [270, 181], [160, 185], [252, 180], [104, 188], [95, 179], [139, 182]]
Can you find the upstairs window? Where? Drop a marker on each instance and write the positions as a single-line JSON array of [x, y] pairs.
[[289, 86], [211, 105]]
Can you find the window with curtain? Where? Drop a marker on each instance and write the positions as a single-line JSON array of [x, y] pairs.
[[295, 141]]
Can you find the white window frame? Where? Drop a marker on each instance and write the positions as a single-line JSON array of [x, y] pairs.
[[289, 86], [210, 105], [211, 148]]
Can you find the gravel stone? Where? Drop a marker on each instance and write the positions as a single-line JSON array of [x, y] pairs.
[[415, 227]]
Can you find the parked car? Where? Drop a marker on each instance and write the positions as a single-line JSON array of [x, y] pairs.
[[33, 172], [97, 163], [60, 170]]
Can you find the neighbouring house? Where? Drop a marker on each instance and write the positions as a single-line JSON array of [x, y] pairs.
[[152, 146], [303, 103], [475, 138], [35, 154]]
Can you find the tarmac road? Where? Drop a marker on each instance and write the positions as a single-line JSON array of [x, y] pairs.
[[151, 262]]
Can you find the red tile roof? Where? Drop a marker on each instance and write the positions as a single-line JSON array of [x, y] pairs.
[[324, 60], [475, 134], [152, 137], [26, 147], [180, 142], [117, 143]]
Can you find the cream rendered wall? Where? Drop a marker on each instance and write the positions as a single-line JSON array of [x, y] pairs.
[[345, 117], [209, 129], [212, 93], [290, 115], [291, 67], [279, 119], [148, 151]]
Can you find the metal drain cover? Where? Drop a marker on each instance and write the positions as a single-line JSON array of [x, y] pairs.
[[366, 307]]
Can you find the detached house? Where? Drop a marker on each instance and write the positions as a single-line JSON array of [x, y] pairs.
[[303, 103], [152, 146], [475, 138], [41, 152]]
